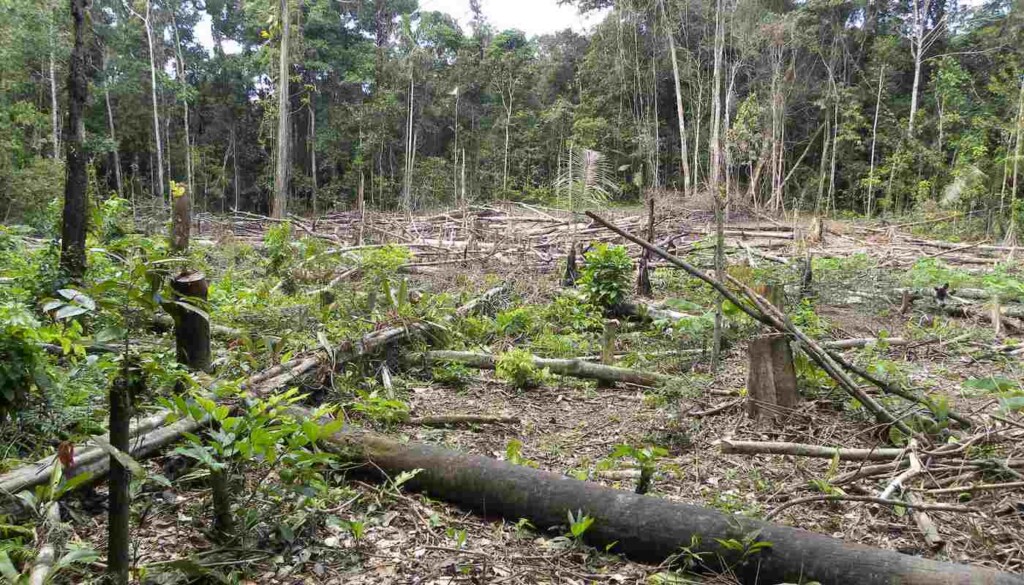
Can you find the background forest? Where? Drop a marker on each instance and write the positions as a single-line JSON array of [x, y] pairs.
[[869, 106]]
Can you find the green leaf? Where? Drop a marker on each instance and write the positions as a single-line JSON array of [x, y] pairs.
[[7, 568], [123, 458], [73, 483], [80, 555], [69, 311]]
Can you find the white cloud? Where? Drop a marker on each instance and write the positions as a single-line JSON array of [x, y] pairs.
[[534, 17]]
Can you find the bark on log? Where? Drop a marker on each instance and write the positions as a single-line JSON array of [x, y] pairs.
[[576, 368], [650, 528], [43, 565], [461, 419], [804, 450]]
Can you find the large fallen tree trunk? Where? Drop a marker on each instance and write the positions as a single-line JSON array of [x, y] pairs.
[[650, 528], [576, 368]]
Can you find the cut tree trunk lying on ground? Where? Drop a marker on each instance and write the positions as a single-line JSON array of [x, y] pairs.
[[803, 450], [461, 419], [576, 368], [648, 528]]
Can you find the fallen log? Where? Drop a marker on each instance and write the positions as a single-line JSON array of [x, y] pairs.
[[576, 368], [804, 450], [869, 499], [461, 419], [648, 528]]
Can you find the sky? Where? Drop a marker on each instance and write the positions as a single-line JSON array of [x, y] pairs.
[[534, 17]]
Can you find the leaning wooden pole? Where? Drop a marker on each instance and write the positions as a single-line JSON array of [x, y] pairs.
[[649, 528], [759, 309]]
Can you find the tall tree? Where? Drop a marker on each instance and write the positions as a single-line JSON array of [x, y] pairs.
[[72, 251], [277, 210]]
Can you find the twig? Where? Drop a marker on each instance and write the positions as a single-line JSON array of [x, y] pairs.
[[870, 500]]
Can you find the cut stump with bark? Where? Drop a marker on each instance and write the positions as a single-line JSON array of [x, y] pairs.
[[771, 379]]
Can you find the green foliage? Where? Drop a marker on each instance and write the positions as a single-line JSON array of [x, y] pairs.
[[453, 374], [278, 244], [514, 454], [579, 524], [646, 459], [517, 322], [606, 275], [1009, 392], [517, 368]]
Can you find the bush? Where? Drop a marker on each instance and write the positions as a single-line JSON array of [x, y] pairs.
[[516, 367], [606, 275], [22, 365]]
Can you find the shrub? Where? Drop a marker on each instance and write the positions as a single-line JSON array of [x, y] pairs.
[[516, 367], [22, 365], [606, 275]]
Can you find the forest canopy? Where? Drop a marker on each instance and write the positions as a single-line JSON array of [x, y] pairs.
[[865, 106]]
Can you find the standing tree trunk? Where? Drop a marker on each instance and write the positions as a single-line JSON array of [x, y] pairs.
[[184, 102], [277, 210], [312, 150], [1011, 231], [160, 192], [113, 136], [119, 516], [407, 179], [72, 251], [717, 190], [874, 135], [54, 113], [508, 124], [684, 156]]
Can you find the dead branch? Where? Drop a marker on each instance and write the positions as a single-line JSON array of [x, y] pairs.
[[872, 500]]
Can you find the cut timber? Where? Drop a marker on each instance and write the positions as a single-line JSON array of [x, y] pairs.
[[576, 368], [461, 419], [649, 528], [804, 450], [42, 566], [771, 378]]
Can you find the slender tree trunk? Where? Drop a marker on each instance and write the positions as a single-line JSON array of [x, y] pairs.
[[189, 178], [160, 192], [312, 150], [508, 124], [683, 155], [283, 118], [113, 135], [874, 136], [72, 252], [234, 162], [716, 176], [918, 46], [407, 180], [1011, 232], [54, 113], [455, 168], [119, 515]]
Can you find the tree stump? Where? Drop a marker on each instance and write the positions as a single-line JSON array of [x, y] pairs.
[[191, 325], [771, 379]]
